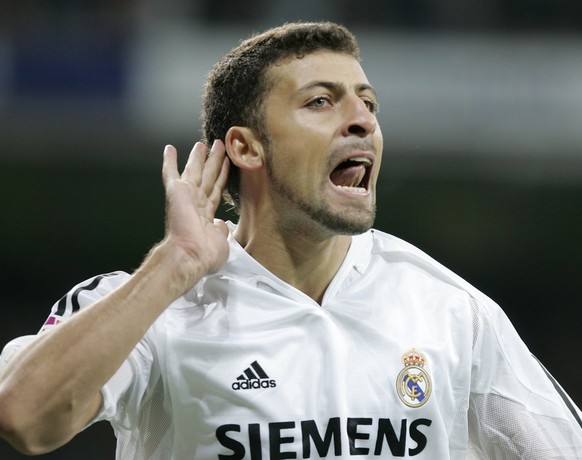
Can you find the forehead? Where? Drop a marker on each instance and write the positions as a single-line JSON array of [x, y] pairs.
[[295, 73]]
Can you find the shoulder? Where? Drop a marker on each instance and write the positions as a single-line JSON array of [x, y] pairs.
[[395, 248], [80, 296], [392, 250], [84, 294], [93, 288]]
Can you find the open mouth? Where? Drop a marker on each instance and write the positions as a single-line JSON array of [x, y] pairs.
[[353, 174]]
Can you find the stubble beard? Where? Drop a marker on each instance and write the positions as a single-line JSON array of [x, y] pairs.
[[339, 222]]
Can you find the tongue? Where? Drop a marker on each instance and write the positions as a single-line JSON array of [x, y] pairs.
[[348, 177]]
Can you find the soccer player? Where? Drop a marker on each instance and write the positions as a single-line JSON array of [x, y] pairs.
[[299, 332]]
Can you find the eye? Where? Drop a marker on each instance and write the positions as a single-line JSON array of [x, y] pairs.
[[319, 102], [372, 105]]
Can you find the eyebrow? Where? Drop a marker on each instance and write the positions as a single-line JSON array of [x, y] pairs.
[[338, 88]]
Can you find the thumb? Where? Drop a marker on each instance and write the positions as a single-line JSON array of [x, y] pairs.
[[221, 225]]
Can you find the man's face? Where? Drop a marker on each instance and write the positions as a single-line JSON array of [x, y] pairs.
[[325, 145]]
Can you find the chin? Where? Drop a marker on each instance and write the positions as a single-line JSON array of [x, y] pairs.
[[347, 225]]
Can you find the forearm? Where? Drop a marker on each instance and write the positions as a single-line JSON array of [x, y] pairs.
[[50, 390]]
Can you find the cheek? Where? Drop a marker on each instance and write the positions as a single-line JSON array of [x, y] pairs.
[[298, 151]]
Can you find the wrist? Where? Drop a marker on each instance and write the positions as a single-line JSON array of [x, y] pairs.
[[176, 270]]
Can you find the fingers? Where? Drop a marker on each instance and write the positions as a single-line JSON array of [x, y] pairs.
[[214, 168], [169, 166], [195, 165], [204, 167], [205, 170], [215, 194], [221, 225]]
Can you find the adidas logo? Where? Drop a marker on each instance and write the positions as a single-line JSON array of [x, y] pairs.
[[253, 378]]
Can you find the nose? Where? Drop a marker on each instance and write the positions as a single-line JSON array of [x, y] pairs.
[[359, 120]]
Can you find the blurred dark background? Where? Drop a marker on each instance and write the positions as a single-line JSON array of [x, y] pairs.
[[481, 109]]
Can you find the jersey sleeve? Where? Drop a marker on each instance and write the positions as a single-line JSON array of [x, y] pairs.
[[128, 382], [517, 409], [82, 295]]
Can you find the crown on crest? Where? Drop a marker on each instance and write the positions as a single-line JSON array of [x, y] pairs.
[[413, 358]]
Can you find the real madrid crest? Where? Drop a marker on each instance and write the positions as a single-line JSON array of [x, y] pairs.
[[413, 384]]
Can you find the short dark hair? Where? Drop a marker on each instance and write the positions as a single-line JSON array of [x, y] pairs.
[[237, 85]]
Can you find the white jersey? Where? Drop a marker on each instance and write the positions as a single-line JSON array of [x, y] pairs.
[[403, 359]]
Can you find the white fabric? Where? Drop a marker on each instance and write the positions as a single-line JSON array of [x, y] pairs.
[[327, 378]]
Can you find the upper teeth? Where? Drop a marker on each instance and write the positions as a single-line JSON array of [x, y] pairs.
[[361, 160]]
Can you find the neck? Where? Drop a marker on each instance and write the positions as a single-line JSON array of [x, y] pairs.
[[301, 258]]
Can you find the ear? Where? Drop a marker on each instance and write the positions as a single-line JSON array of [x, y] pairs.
[[244, 147]]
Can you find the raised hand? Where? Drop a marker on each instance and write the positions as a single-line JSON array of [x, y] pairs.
[[192, 199]]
